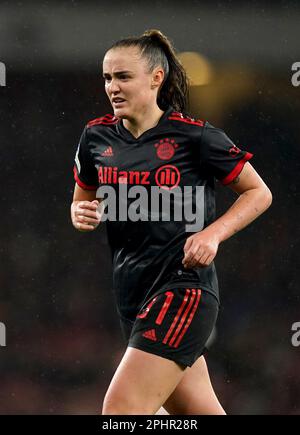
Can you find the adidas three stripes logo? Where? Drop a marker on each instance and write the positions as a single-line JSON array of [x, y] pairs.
[[108, 152], [181, 321]]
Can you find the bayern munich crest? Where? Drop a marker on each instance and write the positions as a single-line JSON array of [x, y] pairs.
[[165, 148]]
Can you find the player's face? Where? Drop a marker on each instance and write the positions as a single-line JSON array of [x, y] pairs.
[[128, 82]]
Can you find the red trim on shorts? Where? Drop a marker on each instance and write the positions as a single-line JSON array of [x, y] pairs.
[[182, 320], [189, 319], [80, 183], [185, 299], [165, 307], [237, 169]]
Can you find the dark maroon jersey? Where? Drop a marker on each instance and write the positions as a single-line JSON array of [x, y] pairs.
[[178, 152]]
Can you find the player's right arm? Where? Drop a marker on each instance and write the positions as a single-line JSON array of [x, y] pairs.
[[84, 214], [85, 210]]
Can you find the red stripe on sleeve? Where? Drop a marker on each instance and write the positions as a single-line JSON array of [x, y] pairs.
[[80, 183], [236, 170]]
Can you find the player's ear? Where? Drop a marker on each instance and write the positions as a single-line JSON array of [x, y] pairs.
[[158, 75]]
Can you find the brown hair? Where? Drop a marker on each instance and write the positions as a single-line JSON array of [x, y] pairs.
[[158, 50]]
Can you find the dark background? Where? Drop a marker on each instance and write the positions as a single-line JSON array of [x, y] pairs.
[[63, 337]]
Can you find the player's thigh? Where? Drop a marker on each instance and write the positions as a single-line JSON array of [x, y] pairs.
[[194, 394], [141, 384]]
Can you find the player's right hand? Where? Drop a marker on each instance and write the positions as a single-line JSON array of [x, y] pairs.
[[85, 215]]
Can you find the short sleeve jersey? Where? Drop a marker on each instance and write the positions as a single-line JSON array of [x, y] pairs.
[[178, 153]]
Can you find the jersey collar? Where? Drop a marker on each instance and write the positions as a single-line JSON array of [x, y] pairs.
[[130, 138]]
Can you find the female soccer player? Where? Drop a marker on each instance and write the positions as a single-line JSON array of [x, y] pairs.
[[163, 271]]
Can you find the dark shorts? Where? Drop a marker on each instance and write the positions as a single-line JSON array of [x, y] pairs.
[[174, 324]]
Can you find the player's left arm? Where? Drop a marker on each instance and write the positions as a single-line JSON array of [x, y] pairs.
[[254, 198]]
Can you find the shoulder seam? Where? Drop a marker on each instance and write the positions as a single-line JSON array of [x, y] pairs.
[[177, 116], [107, 119]]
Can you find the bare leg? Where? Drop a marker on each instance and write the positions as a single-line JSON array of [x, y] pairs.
[[194, 395], [141, 384]]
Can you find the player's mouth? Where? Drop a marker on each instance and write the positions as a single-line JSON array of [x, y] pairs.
[[118, 101]]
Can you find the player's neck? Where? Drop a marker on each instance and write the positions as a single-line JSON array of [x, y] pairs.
[[143, 122]]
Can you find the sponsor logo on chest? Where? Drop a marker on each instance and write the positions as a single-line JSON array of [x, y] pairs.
[[167, 176]]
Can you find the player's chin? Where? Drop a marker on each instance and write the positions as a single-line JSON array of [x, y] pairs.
[[121, 113]]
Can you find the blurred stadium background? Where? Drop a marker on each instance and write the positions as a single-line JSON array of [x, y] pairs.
[[63, 337]]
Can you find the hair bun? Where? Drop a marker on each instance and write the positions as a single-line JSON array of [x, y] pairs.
[[154, 34]]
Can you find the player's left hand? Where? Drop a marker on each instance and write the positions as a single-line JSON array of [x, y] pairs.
[[200, 249]]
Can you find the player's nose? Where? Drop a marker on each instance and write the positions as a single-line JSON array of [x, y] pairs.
[[114, 87]]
